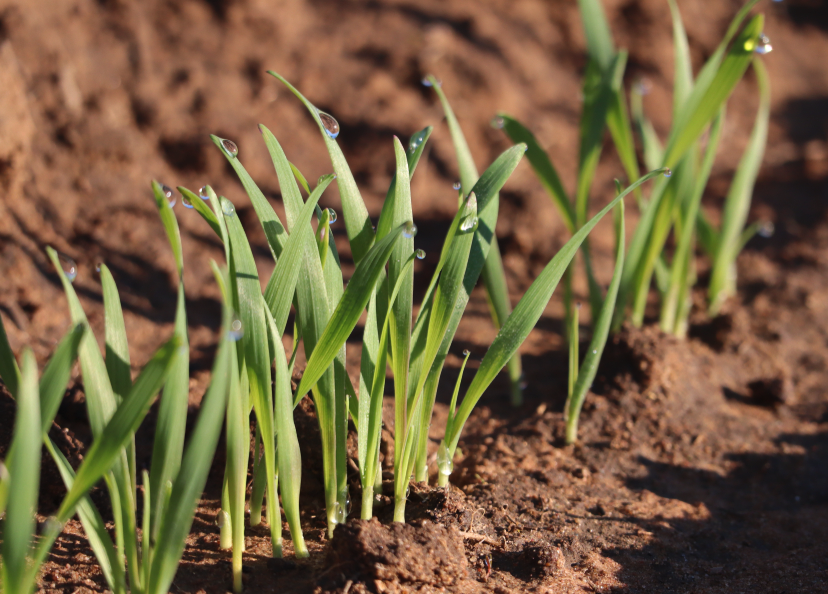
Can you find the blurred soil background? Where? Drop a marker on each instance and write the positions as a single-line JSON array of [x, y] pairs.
[[99, 97]]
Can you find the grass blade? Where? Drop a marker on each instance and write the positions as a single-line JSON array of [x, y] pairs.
[[737, 204], [525, 316], [599, 335], [189, 484], [24, 471], [9, 371], [357, 222]]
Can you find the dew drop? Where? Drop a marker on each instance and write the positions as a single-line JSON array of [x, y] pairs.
[[594, 352], [69, 267], [466, 352], [228, 208], [348, 504], [445, 464], [339, 513], [202, 193], [764, 46], [457, 185], [420, 254], [53, 526], [469, 223], [643, 86], [427, 82], [766, 229], [331, 215], [578, 305], [236, 330], [410, 230], [329, 123], [229, 147], [186, 201], [169, 195], [497, 123], [668, 172]]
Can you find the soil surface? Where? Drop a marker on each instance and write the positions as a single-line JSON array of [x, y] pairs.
[[702, 463]]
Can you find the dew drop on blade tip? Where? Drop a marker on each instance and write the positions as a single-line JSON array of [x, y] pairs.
[[228, 208], [766, 229], [229, 147], [410, 230], [498, 122], [764, 46], [202, 193], [668, 172], [457, 185], [420, 254], [331, 215], [466, 352], [68, 266], [168, 194], [186, 202], [329, 123]]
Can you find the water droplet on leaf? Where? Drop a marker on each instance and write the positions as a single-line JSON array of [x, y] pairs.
[[468, 223], [764, 46], [445, 464], [766, 229], [186, 201], [236, 330], [331, 215], [202, 193], [420, 254], [329, 123], [169, 195], [457, 185], [69, 267], [410, 230], [229, 147], [498, 122], [466, 352], [668, 172], [228, 208]]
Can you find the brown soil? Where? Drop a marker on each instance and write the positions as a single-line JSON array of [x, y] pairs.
[[702, 463]]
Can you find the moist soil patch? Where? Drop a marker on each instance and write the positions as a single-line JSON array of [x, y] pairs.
[[701, 465]]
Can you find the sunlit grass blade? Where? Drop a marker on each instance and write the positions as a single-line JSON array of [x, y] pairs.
[[543, 167], [598, 36], [189, 484], [282, 284], [289, 456], [350, 307], [121, 426], [525, 316], [24, 470], [100, 398], [272, 225], [9, 371], [93, 524], [678, 290], [600, 331], [254, 344], [737, 204], [494, 277], [56, 375], [170, 428], [440, 314], [704, 102], [357, 222]]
